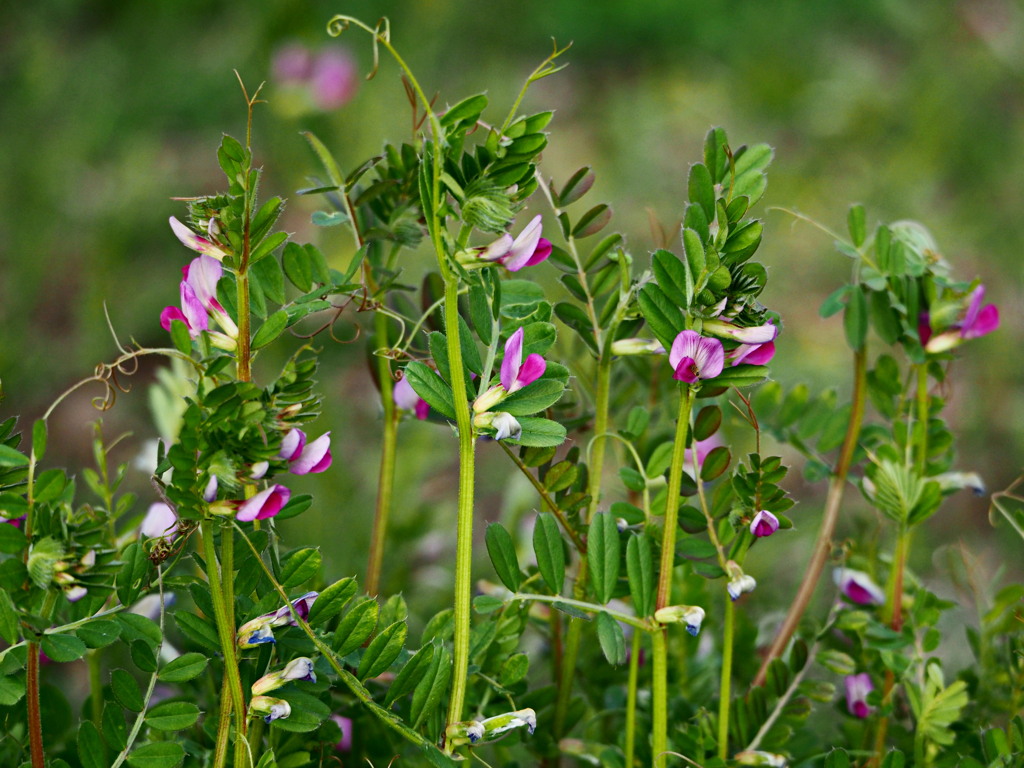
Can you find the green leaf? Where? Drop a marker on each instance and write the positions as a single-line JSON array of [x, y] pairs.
[[271, 329], [613, 642], [308, 712], [271, 279], [740, 376], [466, 111], [332, 600], [173, 716], [533, 398], [158, 754], [432, 687], [63, 648], [502, 552], [857, 226], [673, 277], [661, 458], [180, 337], [334, 174], [9, 627], [592, 222], [431, 387], [539, 433], [707, 422], [547, 545], [299, 567], [39, 439], [412, 673], [603, 555], [514, 669], [661, 314], [186, 667], [298, 266], [91, 749], [12, 688], [701, 189], [576, 187], [382, 652], [640, 569], [357, 625], [715, 463], [198, 630], [12, 539], [126, 690], [99, 633], [855, 318]]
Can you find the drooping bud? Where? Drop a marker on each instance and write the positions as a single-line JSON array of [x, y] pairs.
[[757, 757], [466, 732], [498, 726], [857, 689], [300, 668], [739, 582], [637, 347], [764, 524], [858, 587], [269, 708], [691, 615]]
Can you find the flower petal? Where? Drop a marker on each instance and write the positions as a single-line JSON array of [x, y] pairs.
[[315, 457], [264, 504], [541, 253], [513, 359], [531, 370], [755, 334], [191, 240], [523, 246], [684, 345], [203, 274], [192, 307], [986, 321], [160, 520], [292, 444], [169, 314]]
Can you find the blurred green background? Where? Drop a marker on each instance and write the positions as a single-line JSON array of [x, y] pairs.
[[111, 108]]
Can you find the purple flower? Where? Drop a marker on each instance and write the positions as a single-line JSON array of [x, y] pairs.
[[694, 357], [199, 299], [858, 587], [264, 504], [199, 244], [300, 668], [16, 521], [210, 491], [334, 80], [302, 604], [160, 521], [306, 459], [293, 63], [345, 724], [764, 524], [407, 400], [857, 689], [752, 354], [527, 249], [260, 630], [515, 373], [271, 708], [978, 320]]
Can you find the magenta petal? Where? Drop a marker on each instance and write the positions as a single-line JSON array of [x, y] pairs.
[[764, 524], [169, 314], [195, 312], [531, 370], [513, 359], [315, 457], [422, 409], [544, 248], [523, 246], [757, 354], [292, 444], [264, 504], [683, 346], [986, 321], [977, 296], [686, 371]]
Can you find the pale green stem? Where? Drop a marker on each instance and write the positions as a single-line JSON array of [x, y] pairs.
[[724, 691], [631, 687], [675, 481], [225, 627], [833, 503], [659, 697], [386, 480], [625, 618]]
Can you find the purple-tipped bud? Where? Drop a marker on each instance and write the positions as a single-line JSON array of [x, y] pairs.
[[292, 444], [764, 524], [315, 457], [858, 587], [264, 504], [271, 709], [755, 334], [857, 689], [210, 491]]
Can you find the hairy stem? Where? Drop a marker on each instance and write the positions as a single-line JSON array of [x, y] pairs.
[[631, 687], [386, 479], [724, 691], [833, 502], [35, 723], [659, 696]]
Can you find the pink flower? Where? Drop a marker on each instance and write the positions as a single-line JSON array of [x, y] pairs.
[[752, 354], [305, 459], [755, 334], [857, 689], [516, 373], [199, 244], [407, 400], [264, 504], [764, 524], [858, 587], [293, 63], [334, 80], [978, 320], [345, 724], [199, 299], [694, 357], [527, 249]]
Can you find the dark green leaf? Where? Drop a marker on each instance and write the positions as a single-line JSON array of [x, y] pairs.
[[186, 667], [707, 422], [592, 222], [855, 222], [382, 652], [640, 569], [613, 642], [740, 376], [39, 439], [431, 387], [357, 625], [181, 339], [172, 716], [673, 277], [855, 319], [271, 329], [99, 633], [158, 754], [603, 555], [576, 187], [715, 463], [332, 600], [701, 189], [63, 647], [539, 433], [9, 630], [126, 690], [412, 673], [661, 314], [503, 555], [198, 630], [432, 687], [533, 398], [91, 750], [299, 567], [835, 301], [547, 545], [466, 111], [12, 540]]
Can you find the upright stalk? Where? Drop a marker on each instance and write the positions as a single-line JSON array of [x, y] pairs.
[[631, 688], [833, 502], [725, 693], [464, 526], [386, 479], [225, 628], [659, 649], [35, 722]]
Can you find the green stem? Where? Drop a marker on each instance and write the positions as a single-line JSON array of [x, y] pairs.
[[464, 525], [625, 618], [675, 480], [225, 627], [724, 693], [833, 502], [922, 418], [659, 696], [386, 479], [243, 353], [631, 687], [35, 722]]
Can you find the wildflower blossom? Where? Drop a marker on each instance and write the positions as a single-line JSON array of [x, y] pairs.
[[527, 249], [515, 372], [199, 244], [270, 708], [264, 504], [694, 357], [300, 668], [739, 582], [977, 321], [691, 615], [407, 400], [858, 587], [764, 524], [857, 689], [306, 459], [260, 630]]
